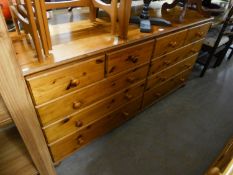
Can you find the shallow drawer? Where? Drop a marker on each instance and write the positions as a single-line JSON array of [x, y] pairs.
[[169, 43], [168, 73], [77, 100], [70, 144], [128, 58], [80, 120], [48, 85], [159, 91], [172, 58], [197, 33]]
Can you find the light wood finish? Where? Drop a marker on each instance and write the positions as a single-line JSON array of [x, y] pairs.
[[112, 11], [129, 57], [168, 73], [169, 43], [161, 63], [53, 83], [97, 129], [77, 100], [14, 158], [5, 117], [94, 112], [158, 92], [197, 33], [17, 99], [77, 40]]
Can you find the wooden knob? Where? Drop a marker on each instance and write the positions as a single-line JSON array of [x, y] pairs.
[[131, 79], [157, 94], [80, 140], [125, 113], [73, 83], [200, 34], [162, 78], [193, 51], [79, 123], [133, 59], [182, 80], [167, 62], [128, 96], [172, 44], [188, 65], [77, 105]]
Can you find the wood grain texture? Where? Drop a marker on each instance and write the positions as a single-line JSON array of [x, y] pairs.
[[5, 117], [129, 57], [64, 106], [14, 157], [53, 83], [17, 99], [161, 63], [92, 113], [77, 140], [163, 76]]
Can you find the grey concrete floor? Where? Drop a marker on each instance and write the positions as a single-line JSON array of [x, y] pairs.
[[180, 135]]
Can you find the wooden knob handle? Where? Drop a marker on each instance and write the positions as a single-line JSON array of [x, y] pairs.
[[157, 94], [131, 79], [132, 58], [73, 83], [193, 51], [128, 96], [200, 34], [79, 123], [188, 65], [80, 140], [125, 113], [77, 105], [172, 44], [162, 78], [182, 80], [167, 62]]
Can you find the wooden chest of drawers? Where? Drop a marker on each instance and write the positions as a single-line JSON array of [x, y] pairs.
[[80, 101]]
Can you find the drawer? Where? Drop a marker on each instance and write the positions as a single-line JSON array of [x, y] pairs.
[[129, 58], [172, 58], [169, 43], [75, 141], [162, 90], [168, 73], [75, 101], [197, 33], [48, 85], [81, 119]]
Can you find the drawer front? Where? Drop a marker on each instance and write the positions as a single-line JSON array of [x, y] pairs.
[[97, 129], [129, 58], [172, 58], [159, 91], [166, 74], [197, 33], [80, 120], [78, 100], [169, 43], [52, 84]]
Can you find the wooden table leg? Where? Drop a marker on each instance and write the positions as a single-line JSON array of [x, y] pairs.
[[123, 16]]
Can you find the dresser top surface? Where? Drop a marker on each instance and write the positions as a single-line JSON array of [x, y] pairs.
[[80, 39]]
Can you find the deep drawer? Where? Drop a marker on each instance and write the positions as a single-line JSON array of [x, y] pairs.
[[168, 73], [169, 43], [48, 85], [80, 120], [72, 143], [75, 101], [128, 58], [197, 33], [160, 91], [172, 58]]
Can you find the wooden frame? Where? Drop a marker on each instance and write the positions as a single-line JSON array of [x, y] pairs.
[[14, 92]]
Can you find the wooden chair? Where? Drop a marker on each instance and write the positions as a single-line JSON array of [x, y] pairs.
[[216, 43]]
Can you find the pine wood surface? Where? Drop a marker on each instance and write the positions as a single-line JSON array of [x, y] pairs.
[[5, 117], [80, 39]]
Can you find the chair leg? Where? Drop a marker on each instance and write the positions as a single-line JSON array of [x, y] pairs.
[[206, 64], [114, 16]]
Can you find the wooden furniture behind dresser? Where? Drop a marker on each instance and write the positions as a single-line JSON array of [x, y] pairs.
[[82, 99]]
